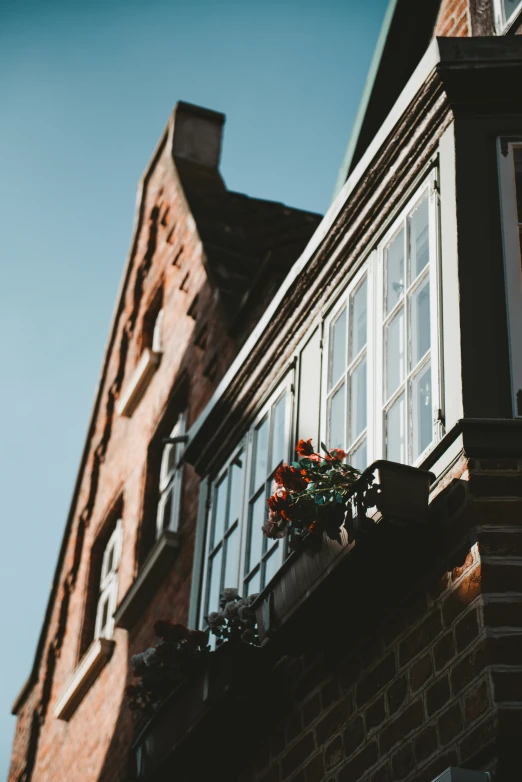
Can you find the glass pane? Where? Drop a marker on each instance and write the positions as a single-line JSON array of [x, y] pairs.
[[279, 432], [419, 238], [272, 565], [338, 349], [517, 155], [231, 559], [509, 7], [253, 586], [358, 400], [260, 454], [258, 514], [359, 457], [420, 322], [169, 456], [214, 590], [164, 511], [220, 508], [421, 412], [359, 301], [236, 481], [394, 271], [396, 431], [336, 427], [395, 353]]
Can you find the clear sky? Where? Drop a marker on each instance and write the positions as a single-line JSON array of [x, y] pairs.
[[86, 88]]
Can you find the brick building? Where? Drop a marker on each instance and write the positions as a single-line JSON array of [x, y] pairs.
[[390, 328]]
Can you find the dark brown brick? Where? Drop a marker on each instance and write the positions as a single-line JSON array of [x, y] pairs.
[[311, 709], [437, 766], [416, 608], [297, 754], [495, 485], [501, 577], [359, 764], [504, 614], [476, 701], [348, 673], [308, 682], [375, 713], [333, 753], [294, 727], [495, 464], [396, 694], [463, 594], [510, 722], [426, 743], [354, 735], [403, 761], [376, 679], [468, 668], [438, 694], [329, 693], [505, 650], [504, 512], [467, 629], [507, 685], [450, 724], [420, 638], [333, 721], [382, 774], [272, 775], [314, 771], [444, 650], [475, 741], [420, 672], [501, 543], [408, 721]]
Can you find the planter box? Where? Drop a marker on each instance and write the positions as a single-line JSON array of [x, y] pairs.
[[389, 492]]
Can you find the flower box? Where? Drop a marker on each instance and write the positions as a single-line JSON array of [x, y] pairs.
[[387, 492]]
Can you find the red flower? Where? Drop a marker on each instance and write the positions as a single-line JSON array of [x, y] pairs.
[[336, 454], [279, 501], [304, 447], [290, 478]]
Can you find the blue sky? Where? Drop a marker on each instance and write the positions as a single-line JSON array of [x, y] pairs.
[[86, 89]]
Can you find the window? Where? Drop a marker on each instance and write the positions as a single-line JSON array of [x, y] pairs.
[[170, 479], [108, 590], [381, 377], [152, 323], [510, 166], [237, 553], [505, 11]]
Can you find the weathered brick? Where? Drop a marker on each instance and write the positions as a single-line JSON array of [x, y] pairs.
[[420, 638], [333, 753], [484, 485], [475, 740], [426, 743], [396, 693], [376, 679], [314, 771], [450, 724], [503, 614], [505, 650], [403, 761], [405, 723], [501, 543], [329, 693], [353, 735], [467, 629], [333, 721], [468, 668], [294, 727], [360, 764], [501, 577], [382, 774], [437, 766], [311, 709], [375, 713], [437, 695], [297, 754], [420, 672], [507, 685], [476, 701], [444, 650], [463, 594]]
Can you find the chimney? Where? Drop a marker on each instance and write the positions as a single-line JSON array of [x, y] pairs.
[[197, 134]]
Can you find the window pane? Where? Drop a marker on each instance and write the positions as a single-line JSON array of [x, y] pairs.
[[164, 511], [509, 7], [220, 507], [338, 349], [260, 454], [236, 481], [419, 238], [214, 591], [395, 353], [170, 459], [359, 301], [258, 514], [517, 155], [278, 432], [394, 271], [420, 322], [359, 457], [253, 586], [421, 412], [231, 559], [396, 431], [336, 428], [358, 400], [272, 565]]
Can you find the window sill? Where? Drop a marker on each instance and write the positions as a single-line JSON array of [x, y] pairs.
[[138, 383], [94, 659], [152, 573]]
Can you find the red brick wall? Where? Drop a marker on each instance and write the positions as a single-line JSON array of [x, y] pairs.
[[453, 19]]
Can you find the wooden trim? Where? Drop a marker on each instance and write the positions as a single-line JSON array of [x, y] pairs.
[[138, 382], [92, 662]]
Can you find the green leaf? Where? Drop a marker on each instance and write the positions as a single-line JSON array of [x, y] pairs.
[[297, 465]]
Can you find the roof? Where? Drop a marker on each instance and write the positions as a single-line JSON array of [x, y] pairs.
[[406, 32]]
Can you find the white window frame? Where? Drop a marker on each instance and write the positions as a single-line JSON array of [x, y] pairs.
[[502, 23], [170, 482], [512, 263], [246, 446], [108, 595], [373, 267]]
